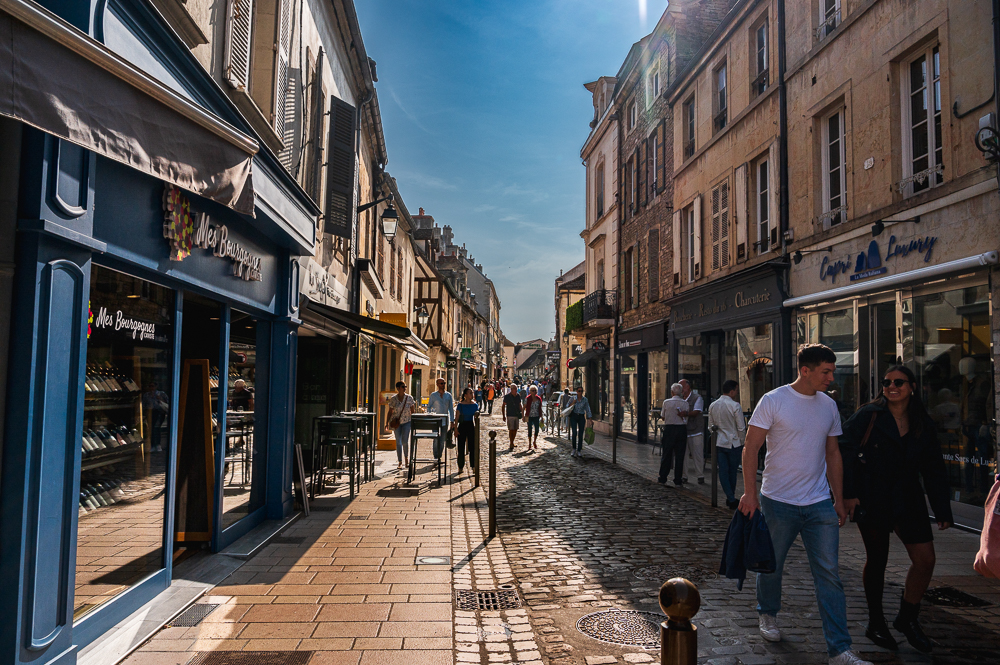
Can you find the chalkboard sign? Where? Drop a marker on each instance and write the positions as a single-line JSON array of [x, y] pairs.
[[195, 458]]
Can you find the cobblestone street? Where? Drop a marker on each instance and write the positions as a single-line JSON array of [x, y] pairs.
[[579, 532]]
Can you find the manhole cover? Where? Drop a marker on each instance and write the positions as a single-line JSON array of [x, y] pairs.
[[253, 658], [623, 627], [662, 572], [193, 615], [479, 601], [951, 597], [358, 517], [433, 560]]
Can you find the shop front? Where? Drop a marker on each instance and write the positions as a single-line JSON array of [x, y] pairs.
[[919, 295], [592, 370], [732, 329], [643, 366]]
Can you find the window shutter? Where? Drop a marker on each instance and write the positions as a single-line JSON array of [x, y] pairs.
[[697, 237], [315, 166], [399, 274], [677, 247], [740, 206], [635, 275], [392, 270], [236, 59], [715, 228], [653, 265], [643, 171], [341, 170], [724, 224], [282, 48], [773, 185], [661, 159]]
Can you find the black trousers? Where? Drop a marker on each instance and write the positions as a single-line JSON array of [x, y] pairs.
[[466, 441], [489, 406], [674, 447]]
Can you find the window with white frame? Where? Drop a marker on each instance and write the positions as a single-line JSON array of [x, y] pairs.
[[691, 257], [829, 17], [689, 127], [923, 151], [631, 116], [599, 190], [834, 179], [652, 84], [759, 59], [762, 204], [721, 102]]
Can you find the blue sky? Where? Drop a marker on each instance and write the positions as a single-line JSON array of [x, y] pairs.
[[484, 113]]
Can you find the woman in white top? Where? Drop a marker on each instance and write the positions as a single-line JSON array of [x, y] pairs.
[[398, 415]]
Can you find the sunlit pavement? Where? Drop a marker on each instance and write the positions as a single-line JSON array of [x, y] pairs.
[[343, 586]]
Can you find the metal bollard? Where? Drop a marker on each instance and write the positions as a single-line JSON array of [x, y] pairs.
[[493, 484], [714, 434], [680, 601], [477, 441]]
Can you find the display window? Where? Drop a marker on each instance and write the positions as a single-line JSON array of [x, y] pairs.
[[244, 462], [628, 411], [125, 438]]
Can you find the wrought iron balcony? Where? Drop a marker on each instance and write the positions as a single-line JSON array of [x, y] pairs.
[[602, 304]]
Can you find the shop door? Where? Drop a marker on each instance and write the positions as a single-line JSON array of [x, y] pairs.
[[878, 344]]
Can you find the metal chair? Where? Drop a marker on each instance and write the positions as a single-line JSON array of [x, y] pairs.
[[333, 438]]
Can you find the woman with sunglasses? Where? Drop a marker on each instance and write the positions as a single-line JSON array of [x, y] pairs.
[[890, 445]]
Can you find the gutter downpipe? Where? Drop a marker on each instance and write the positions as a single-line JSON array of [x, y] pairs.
[[996, 62], [785, 348], [616, 380]]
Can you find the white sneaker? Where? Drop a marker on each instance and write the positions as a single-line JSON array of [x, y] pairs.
[[769, 629], [847, 658]]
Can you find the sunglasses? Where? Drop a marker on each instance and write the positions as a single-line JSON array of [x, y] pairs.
[[894, 382]]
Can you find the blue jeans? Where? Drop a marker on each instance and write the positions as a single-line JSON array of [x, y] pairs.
[[402, 434], [577, 425], [533, 423], [729, 464], [820, 529]]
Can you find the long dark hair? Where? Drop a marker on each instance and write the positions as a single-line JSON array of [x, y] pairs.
[[916, 412]]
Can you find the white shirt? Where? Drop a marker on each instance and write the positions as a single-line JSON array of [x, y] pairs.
[[727, 415], [797, 427], [671, 407]]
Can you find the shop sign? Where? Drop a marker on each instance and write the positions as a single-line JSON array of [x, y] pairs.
[[629, 343], [395, 318], [599, 346], [451, 362], [577, 349], [320, 286], [186, 230], [533, 345], [869, 263], [759, 295], [466, 352], [125, 324]]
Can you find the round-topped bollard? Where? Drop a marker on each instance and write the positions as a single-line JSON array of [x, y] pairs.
[[680, 601]]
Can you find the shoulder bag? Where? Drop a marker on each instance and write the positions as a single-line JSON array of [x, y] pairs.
[[394, 420], [859, 511]]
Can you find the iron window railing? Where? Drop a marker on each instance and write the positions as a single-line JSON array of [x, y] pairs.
[[601, 304]]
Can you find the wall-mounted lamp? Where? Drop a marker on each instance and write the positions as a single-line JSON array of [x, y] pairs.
[[879, 226], [390, 218], [458, 336], [797, 256], [422, 316]]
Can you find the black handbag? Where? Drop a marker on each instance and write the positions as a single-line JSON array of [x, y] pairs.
[[860, 513]]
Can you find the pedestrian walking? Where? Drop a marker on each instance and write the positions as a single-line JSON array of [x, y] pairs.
[[441, 401], [564, 401], [726, 416], [695, 431], [511, 411], [579, 419], [465, 416], [891, 443], [491, 394], [399, 409], [675, 435], [533, 414], [803, 466], [479, 395]]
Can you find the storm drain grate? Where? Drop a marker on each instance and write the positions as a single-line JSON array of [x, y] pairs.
[[193, 615], [288, 540], [358, 517], [253, 658], [951, 597], [623, 627], [484, 601]]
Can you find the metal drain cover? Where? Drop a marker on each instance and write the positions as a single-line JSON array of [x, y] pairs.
[[358, 517], [433, 560], [947, 596], [662, 572], [623, 627], [480, 601], [193, 615], [252, 658]]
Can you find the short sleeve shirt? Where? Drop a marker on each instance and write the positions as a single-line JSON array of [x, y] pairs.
[[512, 403], [401, 408], [797, 427]]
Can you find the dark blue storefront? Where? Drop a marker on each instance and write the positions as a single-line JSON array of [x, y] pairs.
[[151, 377]]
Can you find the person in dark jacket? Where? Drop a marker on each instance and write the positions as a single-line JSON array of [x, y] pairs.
[[883, 494]]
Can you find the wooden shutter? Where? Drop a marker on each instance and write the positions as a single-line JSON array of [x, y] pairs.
[[715, 228], [676, 230], [392, 270], [724, 224], [740, 208], [772, 189], [282, 49], [236, 58], [661, 159], [635, 275], [643, 164], [316, 132], [399, 274], [341, 170], [653, 265], [697, 238]]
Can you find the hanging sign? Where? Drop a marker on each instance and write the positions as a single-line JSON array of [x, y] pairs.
[[186, 230], [466, 352], [599, 346]]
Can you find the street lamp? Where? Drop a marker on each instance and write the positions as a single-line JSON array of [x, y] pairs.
[[458, 336], [422, 316], [390, 220]]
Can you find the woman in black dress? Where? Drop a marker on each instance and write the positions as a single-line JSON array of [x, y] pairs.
[[890, 446]]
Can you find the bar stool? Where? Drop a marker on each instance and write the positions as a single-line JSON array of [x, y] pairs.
[[427, 429], [333, 437]]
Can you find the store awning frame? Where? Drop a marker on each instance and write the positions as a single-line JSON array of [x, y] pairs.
[[358, 323]]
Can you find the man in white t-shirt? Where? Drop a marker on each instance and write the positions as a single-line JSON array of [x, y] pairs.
[[800, 423]]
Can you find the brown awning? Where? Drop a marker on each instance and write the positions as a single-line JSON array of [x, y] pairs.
[[56, 78]]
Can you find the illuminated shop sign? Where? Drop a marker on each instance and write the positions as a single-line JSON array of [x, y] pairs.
[[869, 263]]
